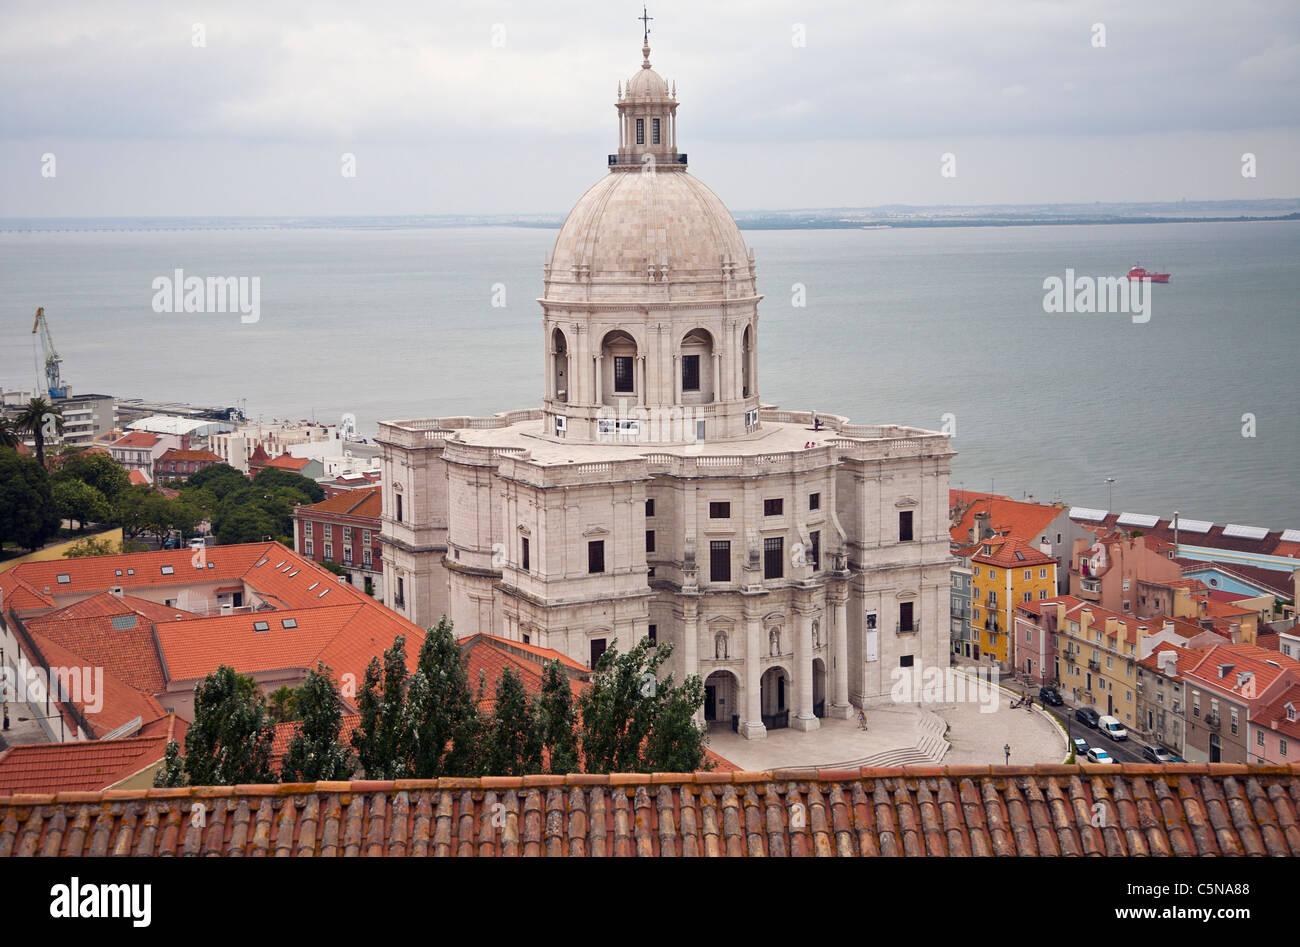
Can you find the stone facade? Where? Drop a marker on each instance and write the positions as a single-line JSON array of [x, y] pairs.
[[793, 559]]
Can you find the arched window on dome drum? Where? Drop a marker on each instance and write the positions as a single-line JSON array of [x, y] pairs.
[[617, 367], [697, 372], [746, 353], [560, 365]]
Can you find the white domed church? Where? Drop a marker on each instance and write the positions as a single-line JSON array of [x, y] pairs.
[[793, 559]]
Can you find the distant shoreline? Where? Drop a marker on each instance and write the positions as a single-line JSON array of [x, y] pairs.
[[828, 221]]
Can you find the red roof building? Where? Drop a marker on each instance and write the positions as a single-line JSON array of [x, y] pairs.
[[344, 529], [180, 464]]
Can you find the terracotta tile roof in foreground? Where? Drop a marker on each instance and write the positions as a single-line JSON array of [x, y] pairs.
[[1175, 809]]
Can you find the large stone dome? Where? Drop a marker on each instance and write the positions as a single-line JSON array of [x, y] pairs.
[[633, 228]]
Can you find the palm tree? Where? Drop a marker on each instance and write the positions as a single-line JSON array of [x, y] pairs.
[[10, 435], [39, 418]]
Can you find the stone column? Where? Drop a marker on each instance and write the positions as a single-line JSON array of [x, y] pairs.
[[717, 377], [691, 643], [804, 718], [840, 706], [751, 724], [596, 361], [677, 380]]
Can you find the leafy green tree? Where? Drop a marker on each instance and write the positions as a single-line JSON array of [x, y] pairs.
[[131, 510], [172, 773], [27, 513], [91, 546], [315, 752], [442, 713], [512, 744], [273, 478], [247, 524], [219, 480], [382, 738], [230, 740], [557, 720], [283, 705], [78, 501], [95, 470], [632, 722], [10, 434], [40, 419]]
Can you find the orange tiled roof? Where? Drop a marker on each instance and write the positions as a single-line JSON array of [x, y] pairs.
[[19, 594], [1266, 666], [87, 766], [1274, 714], [1010, 552], [289, 462], [138, 439], [367, 502], [201, 456], [1016, 518], [1174, 809], [285, 732]]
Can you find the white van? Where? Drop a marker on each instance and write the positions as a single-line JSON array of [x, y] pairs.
[[1112, 728]]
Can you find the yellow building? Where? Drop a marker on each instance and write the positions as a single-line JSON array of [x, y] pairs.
[[1098, 653], [1005, 571]]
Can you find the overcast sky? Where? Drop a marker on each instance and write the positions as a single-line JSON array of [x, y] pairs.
[[509, 107]]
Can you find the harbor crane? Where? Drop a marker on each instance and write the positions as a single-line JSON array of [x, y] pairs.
[[53, 363]]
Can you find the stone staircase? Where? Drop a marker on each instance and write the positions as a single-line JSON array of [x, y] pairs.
[[929, 747]]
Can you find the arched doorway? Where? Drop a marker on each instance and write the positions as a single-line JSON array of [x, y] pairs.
[[819, 687], [722, 699], [774, 698], [560, 365]]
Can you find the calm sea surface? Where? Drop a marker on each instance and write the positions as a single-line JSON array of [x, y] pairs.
[[900, 326]]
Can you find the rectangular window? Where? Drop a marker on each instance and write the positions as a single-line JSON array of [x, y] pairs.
[[365, 537], [815, 542], [773, 507], [1042, 573], [649, 540], [690, 373], [773, 557], [905, 526], [399, 507], [596, 556], [649, 507], [654, 129], [306, 528], [1027, 597], [623, 373], [329, 550], [307, 548], [1259, 737], [523, 553], [1232, 716], [597, 644], [905, 622], [347, 534], [1042, 594], [1028, 575], [719, 511], [814, 501], [367, 557], [654, 634], [719, 560], [640, 140], [401, 592]]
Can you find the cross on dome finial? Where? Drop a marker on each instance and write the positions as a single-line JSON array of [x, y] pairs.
[[645, 37]]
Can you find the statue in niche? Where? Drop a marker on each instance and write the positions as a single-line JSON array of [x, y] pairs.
[[817, 634], [720, 646], [774, 642]]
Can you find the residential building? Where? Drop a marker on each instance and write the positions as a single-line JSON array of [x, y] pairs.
[[274, 438], [1048, 527], [303, 466], [1234, 692], [959, 607], [344, 529], [138, 450], [1161, 697], [1111, 570], [182, 464], [792, 558], [1097, 656], [1005, 572]]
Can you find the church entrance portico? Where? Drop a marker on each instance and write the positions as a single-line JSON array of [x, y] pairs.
[[775, 697]]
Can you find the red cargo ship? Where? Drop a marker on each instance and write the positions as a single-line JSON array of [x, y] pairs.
[[1139, 272]]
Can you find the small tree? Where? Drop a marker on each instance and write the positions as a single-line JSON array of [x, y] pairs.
[[443, 715], [513, 739], [78, 501], [632, 722], [283, 704], [230, 740], [90, 546], [382, 738], [27, 513], [172, 772], [557, 720], [315, 752]]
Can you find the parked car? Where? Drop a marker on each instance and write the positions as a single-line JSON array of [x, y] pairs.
[[1112, 728], [198, 542], [171, 543], [1158, 754], [1097, 755], [1087, 716], [1080, 748], [1050, 695]]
